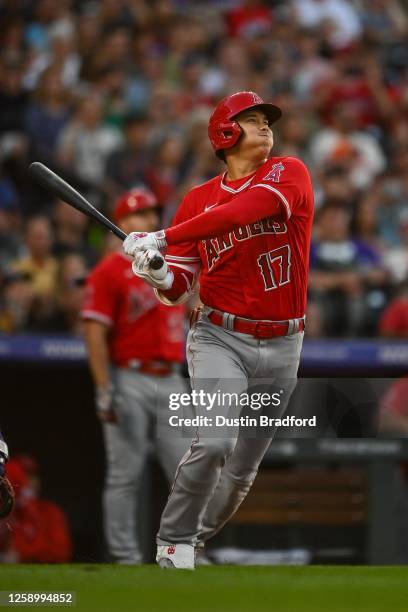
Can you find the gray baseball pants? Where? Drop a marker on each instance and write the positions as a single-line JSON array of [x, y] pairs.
[[216, 473], [140, 401]]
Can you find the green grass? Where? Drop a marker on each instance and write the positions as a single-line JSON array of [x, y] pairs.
[[112, 588]]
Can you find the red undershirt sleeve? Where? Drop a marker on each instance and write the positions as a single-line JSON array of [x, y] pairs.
[[255, 204], [182, 283]]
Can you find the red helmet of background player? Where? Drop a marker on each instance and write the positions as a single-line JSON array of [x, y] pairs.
[[223, 131], [134, 201]]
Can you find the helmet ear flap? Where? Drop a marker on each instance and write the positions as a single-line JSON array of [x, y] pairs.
[[228, 134]]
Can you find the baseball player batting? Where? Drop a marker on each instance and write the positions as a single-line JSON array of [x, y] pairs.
[[248, 232], [135, 348]]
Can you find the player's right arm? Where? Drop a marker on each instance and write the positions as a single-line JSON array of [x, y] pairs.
[[98, 315], [96, 340]]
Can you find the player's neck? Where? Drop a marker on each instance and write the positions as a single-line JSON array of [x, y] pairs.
[[239, 168]]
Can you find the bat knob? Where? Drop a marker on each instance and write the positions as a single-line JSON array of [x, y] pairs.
[[156, 263]]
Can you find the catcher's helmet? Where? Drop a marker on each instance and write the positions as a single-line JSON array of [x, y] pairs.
[[223, 131], [134, 201]]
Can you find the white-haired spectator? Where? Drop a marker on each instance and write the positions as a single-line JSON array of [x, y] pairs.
[[86, 142], [340, 16]]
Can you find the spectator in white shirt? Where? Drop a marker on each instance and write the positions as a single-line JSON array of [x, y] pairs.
[[341, 15]]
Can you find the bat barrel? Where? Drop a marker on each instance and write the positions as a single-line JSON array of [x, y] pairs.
[[61, 189]]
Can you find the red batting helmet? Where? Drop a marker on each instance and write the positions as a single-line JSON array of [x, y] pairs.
[[223, 131], [134, 201]]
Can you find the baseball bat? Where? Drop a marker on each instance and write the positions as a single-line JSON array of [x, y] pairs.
[[63, 190]]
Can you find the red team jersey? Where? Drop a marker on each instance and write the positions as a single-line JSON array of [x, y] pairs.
[[141, 327], [256, 271]]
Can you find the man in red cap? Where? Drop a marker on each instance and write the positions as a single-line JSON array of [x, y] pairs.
[[37, 531], [135, 350], [247, 234]]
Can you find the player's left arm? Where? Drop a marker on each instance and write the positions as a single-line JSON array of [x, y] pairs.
[[175, 281]]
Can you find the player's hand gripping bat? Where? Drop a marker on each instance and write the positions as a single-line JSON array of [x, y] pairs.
[[60, 188]]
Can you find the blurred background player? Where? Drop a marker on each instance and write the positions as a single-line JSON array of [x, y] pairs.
[[135, 349], [37, 531]]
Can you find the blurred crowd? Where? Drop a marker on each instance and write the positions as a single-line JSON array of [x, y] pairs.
[[114, 94]]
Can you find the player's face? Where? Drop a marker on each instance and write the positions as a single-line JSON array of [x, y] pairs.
[[144, 221], [257, 133]]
